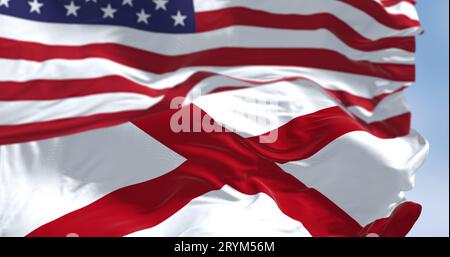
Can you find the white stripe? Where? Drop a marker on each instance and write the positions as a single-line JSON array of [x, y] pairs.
[[59, 69], [21, 112], [403, 8], [258, 110], [227, 212], [171, 44], [363, 23], [392, 105], [255, 111], [43, 180], [364, 175]]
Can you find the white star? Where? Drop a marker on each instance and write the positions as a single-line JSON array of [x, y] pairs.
[[128, 2], [160, 4], [143, 17], [4, 3], [178, 19], [95, 1], [35, 6], [72, 9], [108, 11]]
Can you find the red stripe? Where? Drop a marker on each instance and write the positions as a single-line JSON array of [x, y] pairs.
[[379, 13], [56, 89], [396, 126], [208, 155], [10, 134], [217, 19], [221, 57], [227, 88]]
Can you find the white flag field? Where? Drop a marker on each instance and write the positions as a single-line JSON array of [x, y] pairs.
[[207, 118]]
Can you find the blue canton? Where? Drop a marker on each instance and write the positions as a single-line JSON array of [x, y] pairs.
[[168, 16]]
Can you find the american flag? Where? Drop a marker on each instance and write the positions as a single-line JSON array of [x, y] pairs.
[[207, 117]]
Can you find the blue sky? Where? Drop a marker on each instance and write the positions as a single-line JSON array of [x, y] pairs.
[[429, 101]]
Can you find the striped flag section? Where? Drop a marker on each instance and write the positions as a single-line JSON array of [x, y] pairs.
[[87, 147], [344, 45]]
